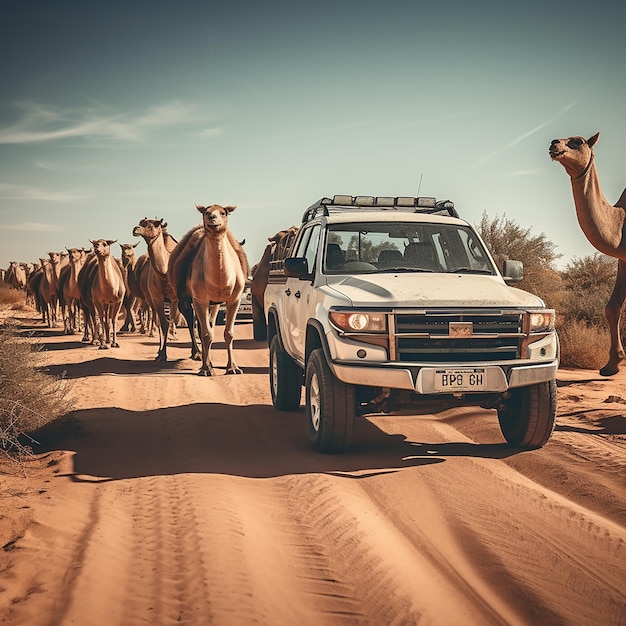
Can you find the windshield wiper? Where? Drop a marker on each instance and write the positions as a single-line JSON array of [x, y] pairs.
[[468, 270]]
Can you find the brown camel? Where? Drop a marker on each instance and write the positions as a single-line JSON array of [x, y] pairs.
[[210, 267], [131, 301], [602, 223], [32, 289], [154, 283], [278, 247], [69, 294], [107, 291], [49, 287]]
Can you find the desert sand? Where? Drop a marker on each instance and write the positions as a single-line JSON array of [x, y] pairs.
[[168, 498]]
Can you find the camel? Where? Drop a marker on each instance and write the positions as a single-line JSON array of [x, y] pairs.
[[69, 293], [131, 301], [603, 224], [32, 289], [49, 287], [278, 247], [210, 267], [154, 283], [107, 291]]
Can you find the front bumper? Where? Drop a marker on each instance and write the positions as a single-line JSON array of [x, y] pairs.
[[421, 378]]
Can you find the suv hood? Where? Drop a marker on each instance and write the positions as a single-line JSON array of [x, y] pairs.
[[426, 289]]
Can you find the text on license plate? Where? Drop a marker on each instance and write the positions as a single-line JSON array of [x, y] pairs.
[[473, 379]]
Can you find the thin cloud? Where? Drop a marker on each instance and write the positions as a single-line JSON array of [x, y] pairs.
[[531, 172], [523, 136], [9, 191], [42, 124], [40, 227], [210, 132]]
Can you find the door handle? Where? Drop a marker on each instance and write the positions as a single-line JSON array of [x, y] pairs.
[[288, 292], [297, 294]]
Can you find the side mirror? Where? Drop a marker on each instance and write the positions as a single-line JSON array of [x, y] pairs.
[[296, 267], [512, 271]]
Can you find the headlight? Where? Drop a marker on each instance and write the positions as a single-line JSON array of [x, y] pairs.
[[358, 321], [542, 321]]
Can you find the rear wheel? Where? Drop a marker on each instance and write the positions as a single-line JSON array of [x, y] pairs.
[[528, 415], [330, 406], [285, 379]]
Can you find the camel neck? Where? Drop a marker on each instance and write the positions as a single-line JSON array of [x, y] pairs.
[[601, 222], [159, 256]]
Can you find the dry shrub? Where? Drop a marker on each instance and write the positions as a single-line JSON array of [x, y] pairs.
[[582, 345], [12, 298], [29, 398]]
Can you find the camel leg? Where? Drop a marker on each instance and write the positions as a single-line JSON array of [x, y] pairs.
[[164, 323], [206, 337], [229, 336], [115, 309], [613, 311], [103, 332], [184, 306]]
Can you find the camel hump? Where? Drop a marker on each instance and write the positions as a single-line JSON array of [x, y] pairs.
[[182, 256]]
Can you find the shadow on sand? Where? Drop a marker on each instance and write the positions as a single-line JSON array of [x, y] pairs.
[[249, 441]]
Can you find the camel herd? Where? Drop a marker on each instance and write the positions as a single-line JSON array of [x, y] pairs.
[[89, 289]]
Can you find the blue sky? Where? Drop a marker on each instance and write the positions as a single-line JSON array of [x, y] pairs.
[[111, 112]]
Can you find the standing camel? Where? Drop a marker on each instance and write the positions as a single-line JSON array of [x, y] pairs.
[[602, 223], [69, 294], [211, 268], [131, 302], [107, 291], [49, 287], [278, 247], [154, 282]]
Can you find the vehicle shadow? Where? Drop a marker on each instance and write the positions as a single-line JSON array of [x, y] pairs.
[[610, 425], [252, 441]]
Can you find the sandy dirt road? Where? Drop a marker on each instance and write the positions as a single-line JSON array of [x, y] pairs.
[[174, 499]]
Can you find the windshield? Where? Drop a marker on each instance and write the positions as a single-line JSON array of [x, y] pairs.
[[379, 247]]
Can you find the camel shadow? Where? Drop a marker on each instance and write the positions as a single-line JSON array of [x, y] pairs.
[[111, 365], [67, 345], [248, 441]]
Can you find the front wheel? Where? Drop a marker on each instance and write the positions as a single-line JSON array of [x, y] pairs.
[[330, 406], [285, 378], [528, 414]]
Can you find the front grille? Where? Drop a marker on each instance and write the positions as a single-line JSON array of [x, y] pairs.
[[425, 336]]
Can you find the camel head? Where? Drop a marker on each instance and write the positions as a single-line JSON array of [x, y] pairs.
[[102, 247], [55, 257], [128, 252], [149, 229], [75, 254], [215, 217], [575, 154]]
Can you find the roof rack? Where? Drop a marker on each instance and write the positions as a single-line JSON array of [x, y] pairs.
[[406, 204]]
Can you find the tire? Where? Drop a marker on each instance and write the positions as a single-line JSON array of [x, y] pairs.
[[220, 320], [285, 379], [259, 327], [330, 406], [528, 415]]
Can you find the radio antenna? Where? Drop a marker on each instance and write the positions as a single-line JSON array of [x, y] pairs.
[[420, 185]]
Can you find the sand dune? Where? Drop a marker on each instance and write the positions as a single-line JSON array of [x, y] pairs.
[[174, 499]]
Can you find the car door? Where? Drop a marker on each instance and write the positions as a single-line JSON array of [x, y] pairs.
[[299, 294]]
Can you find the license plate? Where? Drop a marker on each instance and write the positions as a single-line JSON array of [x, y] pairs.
[[450, 380]]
